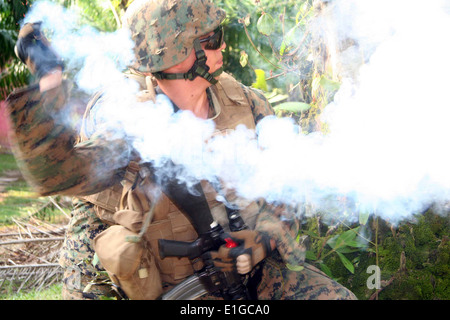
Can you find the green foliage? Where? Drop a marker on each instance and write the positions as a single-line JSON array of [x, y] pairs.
[[13, 73], [426, 249], [413, 256], [239, 55], [260, 80], [340, 245], [11, 12], [279, 39], [103, 15], [265, 24], [295, 107], [51, 293]]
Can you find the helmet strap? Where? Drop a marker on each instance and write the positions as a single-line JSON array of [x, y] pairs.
[[199, 68]]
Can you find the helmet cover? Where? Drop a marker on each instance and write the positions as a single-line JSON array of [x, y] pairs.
[[164, 30]]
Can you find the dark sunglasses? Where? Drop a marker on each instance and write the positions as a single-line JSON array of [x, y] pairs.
[[214, 41]]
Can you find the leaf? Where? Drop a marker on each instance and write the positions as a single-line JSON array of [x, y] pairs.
[[343, 239], [294, 268], [356, 244], [277, 98], [296, 107], [332, 241], [310, 255], [107, 298], [312, 233], [363, 217], [243, 60], [247, 20], [265, 24], [275, 94], [335, 242], [325, 269], [347, 249], [270, 95], [328, 84], [95, 260], [260, 80], [302, 12], [346, 262], [349, 235], [282, 47], [291, 35], [288, 40]]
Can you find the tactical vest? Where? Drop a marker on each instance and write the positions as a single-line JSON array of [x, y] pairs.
[[232, 109]]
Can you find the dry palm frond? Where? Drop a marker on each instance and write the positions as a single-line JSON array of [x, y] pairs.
[[29, 253]]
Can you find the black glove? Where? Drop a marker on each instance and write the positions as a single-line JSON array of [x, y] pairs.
[[33, 49]]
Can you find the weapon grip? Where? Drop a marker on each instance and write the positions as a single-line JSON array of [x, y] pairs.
[[172, 248]]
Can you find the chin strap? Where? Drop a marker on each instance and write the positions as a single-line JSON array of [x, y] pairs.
[[199, 68]]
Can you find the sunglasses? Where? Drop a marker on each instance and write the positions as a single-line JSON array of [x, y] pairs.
[[214, 41]]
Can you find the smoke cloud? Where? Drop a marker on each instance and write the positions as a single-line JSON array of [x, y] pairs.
[[387, 150]]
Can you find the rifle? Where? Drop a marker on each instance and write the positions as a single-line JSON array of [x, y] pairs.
[[210, 237]]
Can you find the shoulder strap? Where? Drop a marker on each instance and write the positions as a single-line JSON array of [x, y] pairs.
[[232, 89], [84, 135]]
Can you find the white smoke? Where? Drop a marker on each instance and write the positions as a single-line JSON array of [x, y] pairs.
[[388, 128], [386, 152]]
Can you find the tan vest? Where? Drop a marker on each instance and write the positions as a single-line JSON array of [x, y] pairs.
[[168, 222]]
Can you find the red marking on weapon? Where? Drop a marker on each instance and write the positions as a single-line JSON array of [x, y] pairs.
[[230, 243]]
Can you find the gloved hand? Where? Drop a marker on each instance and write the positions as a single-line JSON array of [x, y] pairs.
[[33, 49], [252, 247]]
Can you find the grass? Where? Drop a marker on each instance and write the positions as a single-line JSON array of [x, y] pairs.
[[7, 162], [51, 293], [18, 200]]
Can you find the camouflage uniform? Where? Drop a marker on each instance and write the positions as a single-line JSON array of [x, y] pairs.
[[28, 114], [54, 163], [77, 255]]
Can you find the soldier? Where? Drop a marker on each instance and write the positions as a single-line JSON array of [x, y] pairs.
[[179, 44]]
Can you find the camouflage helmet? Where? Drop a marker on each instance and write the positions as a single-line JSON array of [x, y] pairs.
[[164, 30]]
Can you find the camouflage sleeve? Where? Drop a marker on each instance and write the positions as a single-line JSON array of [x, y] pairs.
[[259, 104], [282, 226], [45, 146]]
